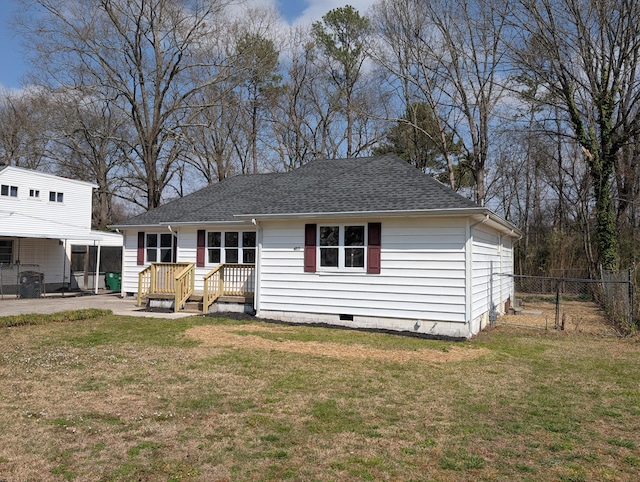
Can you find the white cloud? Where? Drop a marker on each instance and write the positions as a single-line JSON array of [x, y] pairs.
[[317, 8]]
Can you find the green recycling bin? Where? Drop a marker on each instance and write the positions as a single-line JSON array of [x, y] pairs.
[[113, 281]]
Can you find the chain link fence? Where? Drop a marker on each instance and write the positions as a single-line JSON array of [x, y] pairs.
[[604, 306], [21, 281]]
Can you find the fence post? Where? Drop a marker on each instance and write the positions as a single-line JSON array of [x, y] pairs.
[[631, 322], [558, 304]]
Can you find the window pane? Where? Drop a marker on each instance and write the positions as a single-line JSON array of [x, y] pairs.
[[231, 255], [214, 256], [249, 256], [4, 190], [152, 240], [248, 240], [14, 191], [165, 240], [60, 195], [231, 240], [354, 236], [329, 257], [214, 240], [329, 236], [165, 255], [354, 257], [52, 196], [151, 255]]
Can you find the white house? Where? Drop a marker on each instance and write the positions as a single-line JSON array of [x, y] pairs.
[[367, 243], [42, 217]]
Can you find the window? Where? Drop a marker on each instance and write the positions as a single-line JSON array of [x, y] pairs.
[[56, 197], [231, 247], [159, 247], [356, 247], [6, 190], [342, 246], [249, 248], [214, 246], [329, 246], [6, 251], [34, 193]]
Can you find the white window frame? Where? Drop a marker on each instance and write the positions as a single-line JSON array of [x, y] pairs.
[[223, 247], [34, 193], [342, 248], [159, 248]]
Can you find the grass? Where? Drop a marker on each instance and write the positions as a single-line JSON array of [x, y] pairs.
[[91, 396]]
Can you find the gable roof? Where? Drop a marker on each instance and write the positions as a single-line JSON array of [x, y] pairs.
[[381, 184]]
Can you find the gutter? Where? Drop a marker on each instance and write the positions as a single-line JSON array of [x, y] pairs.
[[488, 216], [350, 214], [173, 223]]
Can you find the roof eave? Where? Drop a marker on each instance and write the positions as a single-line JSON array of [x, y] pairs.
[[479, 213], [168, 225]]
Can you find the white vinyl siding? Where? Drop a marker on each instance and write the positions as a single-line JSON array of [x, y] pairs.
[[490, 254], [32, 216], [422, 273]]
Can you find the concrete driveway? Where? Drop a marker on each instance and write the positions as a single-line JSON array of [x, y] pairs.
[[53, 304]]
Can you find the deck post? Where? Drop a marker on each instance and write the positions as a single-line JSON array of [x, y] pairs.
[[152, 280]]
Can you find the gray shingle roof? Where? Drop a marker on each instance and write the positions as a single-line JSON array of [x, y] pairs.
[[369, 184]]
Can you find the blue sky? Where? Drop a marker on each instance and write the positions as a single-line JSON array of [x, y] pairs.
[[13, 67], [11, 62]]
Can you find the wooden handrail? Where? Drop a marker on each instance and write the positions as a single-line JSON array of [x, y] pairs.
[[178, 279], [144, 283], [161, 278], [184, 286], [228, 279], [213, 282]]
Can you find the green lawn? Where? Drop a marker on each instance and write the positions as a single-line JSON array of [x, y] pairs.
[[90, 396]]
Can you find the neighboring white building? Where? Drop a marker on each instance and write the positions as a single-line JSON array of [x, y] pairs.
[[363, 243], [42, 216]]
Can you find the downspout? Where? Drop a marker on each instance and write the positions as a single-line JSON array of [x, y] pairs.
[[256, 294], [501, 252], [174, 249]]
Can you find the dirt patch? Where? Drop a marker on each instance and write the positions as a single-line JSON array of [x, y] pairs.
[[220, 335], [579, 316]]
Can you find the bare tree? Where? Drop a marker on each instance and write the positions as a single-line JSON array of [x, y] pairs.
[[587, 54], [450, 56], [147, 58], [212, 134], [23, 129], [87, 145]]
